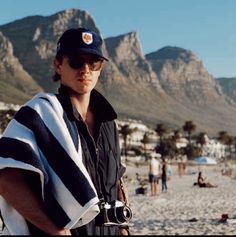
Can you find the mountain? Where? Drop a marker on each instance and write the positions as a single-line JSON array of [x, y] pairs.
[[170, 85], [184, 77], [15, 83], [34, 40], [128, 81], [229, 87]]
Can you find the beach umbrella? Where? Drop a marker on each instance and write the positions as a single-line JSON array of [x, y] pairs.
[[204, 160]]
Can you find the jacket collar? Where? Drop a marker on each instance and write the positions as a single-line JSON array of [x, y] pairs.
[[99, 105]]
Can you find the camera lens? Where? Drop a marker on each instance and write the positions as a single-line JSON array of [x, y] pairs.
[[111, 215], [123, 213]]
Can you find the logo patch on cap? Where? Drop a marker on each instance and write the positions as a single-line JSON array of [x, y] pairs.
[[87, 38]]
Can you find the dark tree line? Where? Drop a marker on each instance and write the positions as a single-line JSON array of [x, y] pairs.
[[166, 144]]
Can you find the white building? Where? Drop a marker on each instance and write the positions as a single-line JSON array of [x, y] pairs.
[[214, 149], [138, 131]]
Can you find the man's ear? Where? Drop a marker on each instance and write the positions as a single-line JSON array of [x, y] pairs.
[[57, 65]]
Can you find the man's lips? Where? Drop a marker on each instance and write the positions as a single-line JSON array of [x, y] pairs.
[[84, 80]]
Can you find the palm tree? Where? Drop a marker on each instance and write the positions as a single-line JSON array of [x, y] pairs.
[[201, 139], [235, 146], [125, 131], [145, 141], [230, 142], [189, 127], [177, 135], [167, 148], [160, 130], [223, 137]]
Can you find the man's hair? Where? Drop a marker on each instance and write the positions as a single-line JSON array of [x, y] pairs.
[[56, 76]]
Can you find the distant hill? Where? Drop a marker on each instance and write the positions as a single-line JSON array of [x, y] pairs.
[[16, 85], [229, 87], [170, 85]]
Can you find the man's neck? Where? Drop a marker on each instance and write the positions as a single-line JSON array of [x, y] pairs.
[[81, 103]]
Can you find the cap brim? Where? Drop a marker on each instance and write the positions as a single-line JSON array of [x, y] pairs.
[[91, 51]]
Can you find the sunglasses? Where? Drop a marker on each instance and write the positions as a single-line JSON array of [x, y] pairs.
[[94, 64]]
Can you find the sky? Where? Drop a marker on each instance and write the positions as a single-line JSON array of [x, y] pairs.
[[206, 27]]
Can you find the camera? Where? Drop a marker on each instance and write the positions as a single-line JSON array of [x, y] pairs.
[[114, 213]]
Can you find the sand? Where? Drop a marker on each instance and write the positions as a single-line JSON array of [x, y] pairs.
[[185, 209]]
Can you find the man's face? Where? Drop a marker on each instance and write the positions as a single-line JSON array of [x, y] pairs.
[[79, 73]]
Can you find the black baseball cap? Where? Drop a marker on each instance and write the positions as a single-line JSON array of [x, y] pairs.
[[81, 41]]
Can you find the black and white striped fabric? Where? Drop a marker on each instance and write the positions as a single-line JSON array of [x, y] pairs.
[[38, 139]]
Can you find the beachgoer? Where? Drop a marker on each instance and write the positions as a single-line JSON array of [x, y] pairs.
[[60, 156], [169, 170], [203, 183], [164, 170], [154, 173], [184, 164], [180, 166]]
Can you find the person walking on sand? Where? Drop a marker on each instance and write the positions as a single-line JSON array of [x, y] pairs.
[[60, 156], [164, 170], [169, 170], [154, 172]]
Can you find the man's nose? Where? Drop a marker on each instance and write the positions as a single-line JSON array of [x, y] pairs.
[[85, 66]]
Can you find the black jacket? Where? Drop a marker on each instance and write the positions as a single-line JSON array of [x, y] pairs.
[[101, 155]]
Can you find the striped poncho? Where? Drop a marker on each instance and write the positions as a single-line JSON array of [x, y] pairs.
[[38, 139]]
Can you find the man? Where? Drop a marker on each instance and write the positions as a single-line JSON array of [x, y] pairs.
[[60, 157], [164, 171], [154, 173]]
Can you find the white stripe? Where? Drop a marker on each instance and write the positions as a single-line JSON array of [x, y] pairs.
[[72, 208], [52, 115], [20, 132], [53, 119], [79, 215]]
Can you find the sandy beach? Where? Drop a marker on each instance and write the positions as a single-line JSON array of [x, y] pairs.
[[185, 209]]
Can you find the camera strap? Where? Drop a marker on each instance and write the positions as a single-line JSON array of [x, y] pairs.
[[124, 191], [121, 182]]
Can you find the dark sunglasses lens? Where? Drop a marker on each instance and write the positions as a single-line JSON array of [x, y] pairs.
[[75, 63], [94, 64]]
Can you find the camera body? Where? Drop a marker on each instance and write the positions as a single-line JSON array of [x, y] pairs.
[[114, 213]]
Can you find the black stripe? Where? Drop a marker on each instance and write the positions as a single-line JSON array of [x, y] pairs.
[[56, 156], [54, 209], [69, 118], [20, 151], [23, 152], [1, 219], [71, 126]]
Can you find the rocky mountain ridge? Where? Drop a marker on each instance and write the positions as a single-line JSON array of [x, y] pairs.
[[170, 85], [13, 78], [179, 70], [229, 87]]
